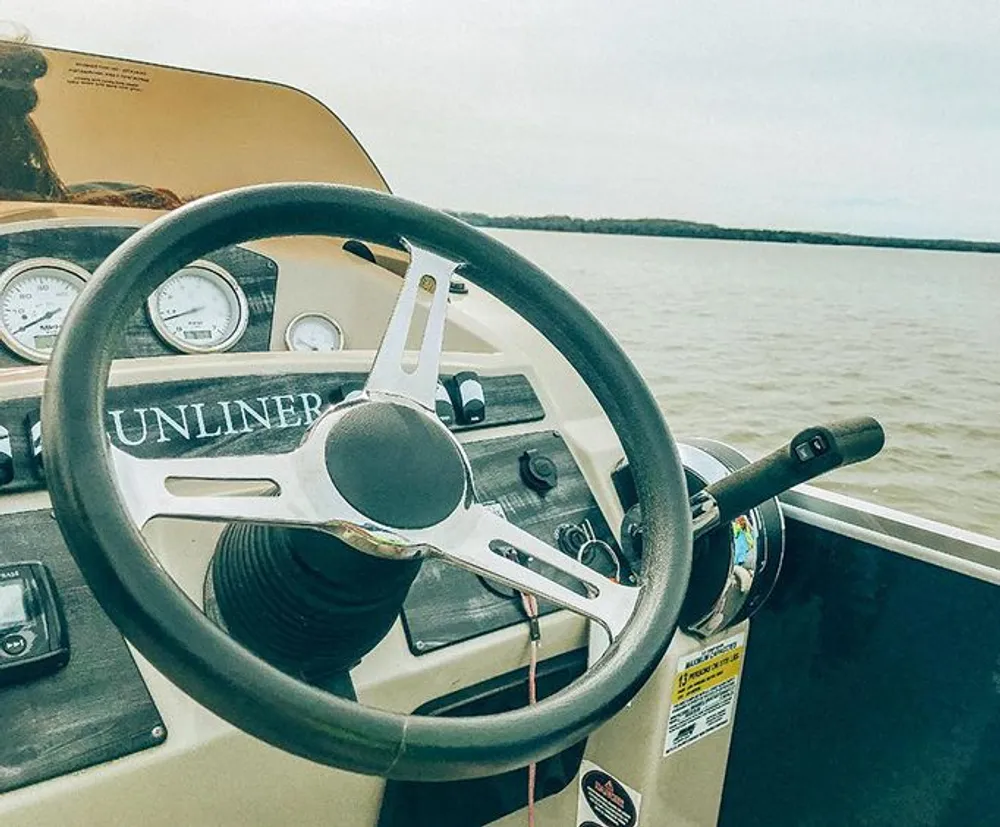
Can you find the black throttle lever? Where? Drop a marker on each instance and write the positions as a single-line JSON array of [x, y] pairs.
[[810, 453]]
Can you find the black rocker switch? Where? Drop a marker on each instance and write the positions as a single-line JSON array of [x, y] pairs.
[[6, 457], [346, 392], [538, 471], [470, 400], [443, 405], [33, 426]]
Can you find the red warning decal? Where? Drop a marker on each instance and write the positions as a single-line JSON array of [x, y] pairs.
[[605, 801]]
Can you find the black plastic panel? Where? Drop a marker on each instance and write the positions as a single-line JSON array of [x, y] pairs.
[[481, 801], [88, 246], [871, 695], [448, 605], [93, 710], [231, 416]]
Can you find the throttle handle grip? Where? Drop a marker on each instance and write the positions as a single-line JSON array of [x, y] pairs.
[[810, 453]]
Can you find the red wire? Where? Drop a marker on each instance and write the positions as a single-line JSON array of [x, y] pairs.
[[531, 609]]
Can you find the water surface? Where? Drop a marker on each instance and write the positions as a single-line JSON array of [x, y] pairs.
[[749, 342]]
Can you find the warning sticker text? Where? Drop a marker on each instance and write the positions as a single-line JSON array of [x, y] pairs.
[[704, 692]]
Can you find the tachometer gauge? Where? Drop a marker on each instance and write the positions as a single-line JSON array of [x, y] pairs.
[[199, 309], [314, 331], [35, 296]]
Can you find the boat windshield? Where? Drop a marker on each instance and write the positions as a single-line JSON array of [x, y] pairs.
[[75, 128]]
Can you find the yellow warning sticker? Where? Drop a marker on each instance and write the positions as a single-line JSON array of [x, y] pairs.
[[703, 676], [704, 692]]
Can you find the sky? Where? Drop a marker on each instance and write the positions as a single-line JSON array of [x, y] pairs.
[[872, 117]]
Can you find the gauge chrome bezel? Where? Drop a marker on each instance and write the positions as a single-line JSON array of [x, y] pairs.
[[39, 357], [314, 314], [185, 346]]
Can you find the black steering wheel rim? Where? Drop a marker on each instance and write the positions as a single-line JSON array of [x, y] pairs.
[[174, 634]]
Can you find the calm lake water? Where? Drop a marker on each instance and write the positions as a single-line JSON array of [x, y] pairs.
[[748, 343]]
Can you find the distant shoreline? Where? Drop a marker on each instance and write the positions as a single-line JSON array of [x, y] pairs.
[[670, 228]]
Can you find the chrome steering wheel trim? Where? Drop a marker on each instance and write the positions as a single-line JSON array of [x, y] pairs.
[[102, 496]]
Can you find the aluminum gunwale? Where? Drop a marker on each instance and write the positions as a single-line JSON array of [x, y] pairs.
[[942, 545]]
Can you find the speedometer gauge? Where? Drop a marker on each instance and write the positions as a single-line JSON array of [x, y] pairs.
[[199, 309], [35, 296], [314, 331]]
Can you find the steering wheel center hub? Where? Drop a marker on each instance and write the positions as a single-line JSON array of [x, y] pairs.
[[395, 465]]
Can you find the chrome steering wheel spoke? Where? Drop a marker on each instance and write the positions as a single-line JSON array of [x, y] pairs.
[[266, 488], [480, 541], [431, 273]]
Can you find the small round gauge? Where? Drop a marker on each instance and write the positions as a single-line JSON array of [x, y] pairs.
[[35, 296], [199, 309], [314, 331]]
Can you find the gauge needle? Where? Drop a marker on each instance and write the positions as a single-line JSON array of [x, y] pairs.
[[187, 312], [33, 322]]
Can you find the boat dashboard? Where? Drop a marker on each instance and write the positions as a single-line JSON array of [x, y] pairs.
[[290, 328], [236, 355]]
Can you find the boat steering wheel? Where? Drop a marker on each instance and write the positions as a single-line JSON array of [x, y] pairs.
[[334, 481]]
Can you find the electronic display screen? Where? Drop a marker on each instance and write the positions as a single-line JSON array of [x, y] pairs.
[[12, 609]]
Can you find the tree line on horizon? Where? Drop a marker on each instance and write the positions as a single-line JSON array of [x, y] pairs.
[[674, 228]]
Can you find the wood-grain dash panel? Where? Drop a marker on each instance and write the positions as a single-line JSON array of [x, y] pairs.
[[88, 246], [93, 710], [446, 604], [215, 417]]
